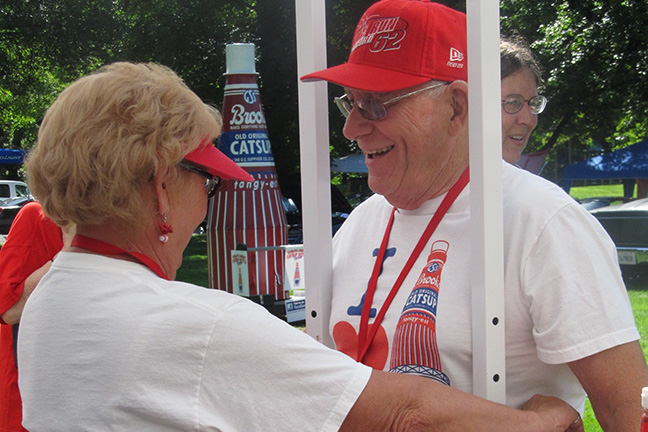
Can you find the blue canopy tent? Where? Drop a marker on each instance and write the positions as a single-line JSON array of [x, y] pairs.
[[12, 156], [627, 163], [353, 163]]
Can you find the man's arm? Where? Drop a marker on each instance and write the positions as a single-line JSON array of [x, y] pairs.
[[399, 402], [613, 380]]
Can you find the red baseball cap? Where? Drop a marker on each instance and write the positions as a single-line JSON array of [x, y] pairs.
[[402, 43], [216, 162]]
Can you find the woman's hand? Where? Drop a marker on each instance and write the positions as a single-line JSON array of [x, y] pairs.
[[564, 417]]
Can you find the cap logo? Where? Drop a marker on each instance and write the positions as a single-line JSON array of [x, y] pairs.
[[380, 33], [456, 57]]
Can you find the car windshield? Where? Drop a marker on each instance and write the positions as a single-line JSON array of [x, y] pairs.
[[14, 202], [22, 191]]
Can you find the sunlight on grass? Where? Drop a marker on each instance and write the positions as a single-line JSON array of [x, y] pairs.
[[580, 192]]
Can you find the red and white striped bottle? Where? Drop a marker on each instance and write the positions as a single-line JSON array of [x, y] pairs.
[[249, 213], [414, 347]]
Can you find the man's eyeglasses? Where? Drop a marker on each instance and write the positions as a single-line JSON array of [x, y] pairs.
[[374, 109], [212, 183], [512, 104]]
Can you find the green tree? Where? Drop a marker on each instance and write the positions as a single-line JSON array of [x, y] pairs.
[[46, 44], [595, 57], [594, 54]]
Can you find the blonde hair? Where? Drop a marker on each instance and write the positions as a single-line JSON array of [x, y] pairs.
[[107, 135]]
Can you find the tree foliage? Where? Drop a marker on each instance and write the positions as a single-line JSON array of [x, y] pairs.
[[47, 44], [595, 57], [594, 54]]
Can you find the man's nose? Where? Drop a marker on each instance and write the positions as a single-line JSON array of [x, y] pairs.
[[356, 125]]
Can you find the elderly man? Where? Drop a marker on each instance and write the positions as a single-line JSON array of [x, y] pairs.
[[401, 284]]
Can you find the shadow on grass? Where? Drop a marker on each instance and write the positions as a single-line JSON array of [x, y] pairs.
[[636, 277]]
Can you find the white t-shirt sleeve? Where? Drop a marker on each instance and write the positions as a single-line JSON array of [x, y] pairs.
[[569, 285], [277, 375]]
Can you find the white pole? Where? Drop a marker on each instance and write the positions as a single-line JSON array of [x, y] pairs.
[[486, 200], [315, 168]]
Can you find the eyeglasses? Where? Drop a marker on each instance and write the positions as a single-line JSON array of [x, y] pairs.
[[512, 104], [374, 109], [212, 183]]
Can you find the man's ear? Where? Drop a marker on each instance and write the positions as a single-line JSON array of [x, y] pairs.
[[458, 92]]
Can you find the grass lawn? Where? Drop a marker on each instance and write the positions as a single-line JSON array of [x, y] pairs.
[[194, 270], [194, 262], [596, 191]]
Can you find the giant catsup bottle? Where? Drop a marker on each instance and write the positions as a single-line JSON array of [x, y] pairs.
[[247, 213]]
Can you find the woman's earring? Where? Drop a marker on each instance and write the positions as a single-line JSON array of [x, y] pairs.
[[165, 230]]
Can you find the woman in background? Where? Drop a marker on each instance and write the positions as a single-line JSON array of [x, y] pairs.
[[31, 245], [521, 80]]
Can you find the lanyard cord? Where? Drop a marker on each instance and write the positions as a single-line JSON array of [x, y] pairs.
[[365, 335], [104, 248]]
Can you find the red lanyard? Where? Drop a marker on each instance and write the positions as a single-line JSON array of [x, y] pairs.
[[104, 248], [364, 339]]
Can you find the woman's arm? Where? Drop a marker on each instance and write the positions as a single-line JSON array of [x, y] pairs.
[[13, 314], [397, 402]]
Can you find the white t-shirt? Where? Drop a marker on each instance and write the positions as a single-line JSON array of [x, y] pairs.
[[565, 299], [107, 345]]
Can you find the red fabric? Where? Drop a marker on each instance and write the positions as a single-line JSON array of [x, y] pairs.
[[32, 241], [401, 43]]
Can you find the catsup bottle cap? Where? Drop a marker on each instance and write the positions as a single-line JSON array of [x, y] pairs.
[[239, 58]]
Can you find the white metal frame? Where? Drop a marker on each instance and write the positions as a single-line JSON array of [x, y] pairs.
[[486, 185], [489, 378], [315, 169]]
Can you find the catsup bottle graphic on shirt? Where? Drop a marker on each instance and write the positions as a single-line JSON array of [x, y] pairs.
[[414, 348]]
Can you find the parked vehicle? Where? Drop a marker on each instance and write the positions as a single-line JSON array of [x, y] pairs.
[[294, 220], [294, 216], [291, 189], [8, 210], [627, 225], [592, 203], [13, 189]]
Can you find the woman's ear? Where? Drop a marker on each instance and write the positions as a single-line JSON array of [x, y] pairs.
[[459, 98], [160, 190]]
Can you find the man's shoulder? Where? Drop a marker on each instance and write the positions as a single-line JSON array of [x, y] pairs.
[[369, 210], [373, 202], [524, 186]]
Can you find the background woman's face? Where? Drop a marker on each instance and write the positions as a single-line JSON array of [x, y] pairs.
[[517, 128]]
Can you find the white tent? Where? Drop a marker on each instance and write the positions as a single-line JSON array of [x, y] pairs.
[[486, 185]]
